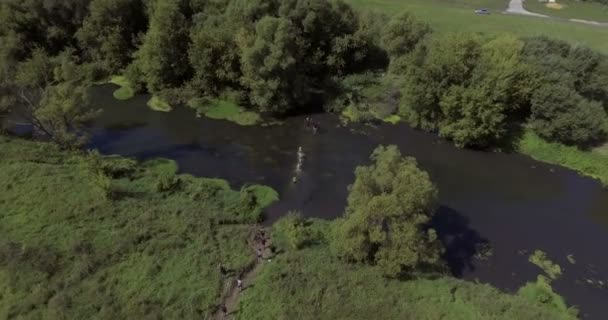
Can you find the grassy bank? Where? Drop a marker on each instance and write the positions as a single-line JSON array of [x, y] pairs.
[[592, 164], [570, 9], [312, 284], [458, 15], [85, 235]]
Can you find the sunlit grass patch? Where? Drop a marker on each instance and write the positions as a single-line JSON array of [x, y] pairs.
[[158, 104], [125, 91], [221, 109]]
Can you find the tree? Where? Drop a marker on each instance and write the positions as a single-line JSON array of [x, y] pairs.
[[570, 105], [474, 92], [484, 111], [163, 55], [437, 64], [109, 32], [50, 93], [214, 56], [559, 113], [389, 207], [400, 36], [269, 67]]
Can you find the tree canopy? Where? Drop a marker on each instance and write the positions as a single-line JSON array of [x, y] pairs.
[[389, 207]]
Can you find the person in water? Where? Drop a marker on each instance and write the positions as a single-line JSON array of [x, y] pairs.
[[315, 128]]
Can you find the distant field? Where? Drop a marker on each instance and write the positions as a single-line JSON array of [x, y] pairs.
[[571, 10], [457, 15]]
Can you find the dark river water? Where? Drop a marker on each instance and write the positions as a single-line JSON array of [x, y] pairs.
[[510, 201]]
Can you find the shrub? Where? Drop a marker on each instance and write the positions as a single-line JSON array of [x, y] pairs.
[[290, 232], [167, 182]]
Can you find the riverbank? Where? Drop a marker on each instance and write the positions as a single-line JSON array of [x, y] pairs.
[[591, 164], [310, 283], [84, 234]]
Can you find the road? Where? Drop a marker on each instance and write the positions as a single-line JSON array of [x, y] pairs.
[[517, 7]]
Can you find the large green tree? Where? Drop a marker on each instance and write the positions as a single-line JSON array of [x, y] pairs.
[[570, 105], [400, 37], [471, 90], [270, 67], [389, 207], [163, 55], [214, 56], [50, 93], [109, 32]]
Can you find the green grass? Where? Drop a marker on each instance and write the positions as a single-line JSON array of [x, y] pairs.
[[540, 259], [571, 10], [220, 109], [592, 164], [541, 292], [158, 104], [125, 91], [312, 284], [458, 15], [75, 247]]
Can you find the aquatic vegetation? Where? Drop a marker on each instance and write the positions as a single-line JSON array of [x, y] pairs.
[[125, 91], [158, 104], [540, 259], [219, 109], [591, 164]]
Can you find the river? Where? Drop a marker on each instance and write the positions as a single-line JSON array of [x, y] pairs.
[[510, 201]]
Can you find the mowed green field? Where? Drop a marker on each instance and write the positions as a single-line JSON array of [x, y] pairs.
[[458, 15], [571, 9]]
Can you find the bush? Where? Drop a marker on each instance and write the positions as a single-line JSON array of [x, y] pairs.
[[290, 232], [167, 182]]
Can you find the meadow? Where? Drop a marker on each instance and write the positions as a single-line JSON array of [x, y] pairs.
[[82, 235], [311, 283], [569, 9], [458, 15]]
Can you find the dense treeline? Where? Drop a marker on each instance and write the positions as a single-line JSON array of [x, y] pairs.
[[280, 57]]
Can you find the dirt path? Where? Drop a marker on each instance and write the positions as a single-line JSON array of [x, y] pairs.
[[248, 276]]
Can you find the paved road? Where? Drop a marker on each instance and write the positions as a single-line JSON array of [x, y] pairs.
[[517, 7]]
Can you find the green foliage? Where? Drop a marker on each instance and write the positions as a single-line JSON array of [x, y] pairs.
[[225, 110], [389, 206], [67, 250], [269, 66], [402, 34], [290, 232], [108, 33], [540, 259], [591, 164], [472, 91], [163, 55], [158, 104], [264, 195], [570, 105], [126, 91], [311, 284], [541, 293]]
